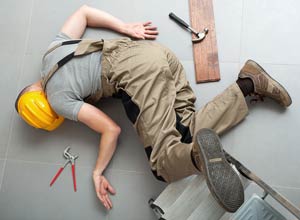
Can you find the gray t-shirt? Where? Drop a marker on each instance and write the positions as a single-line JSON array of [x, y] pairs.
[[74, 81]]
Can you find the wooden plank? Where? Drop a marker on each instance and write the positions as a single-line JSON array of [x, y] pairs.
[[206, 52]]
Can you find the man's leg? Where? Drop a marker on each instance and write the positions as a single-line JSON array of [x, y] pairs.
[[185, 97], [223, 112], [229, 108]]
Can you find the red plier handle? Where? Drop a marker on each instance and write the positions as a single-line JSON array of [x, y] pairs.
[[74, 177], [58, 173]]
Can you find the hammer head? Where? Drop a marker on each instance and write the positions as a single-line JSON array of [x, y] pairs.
[[200, 36]]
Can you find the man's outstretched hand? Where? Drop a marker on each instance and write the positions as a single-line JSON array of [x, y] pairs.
[[141, 30], [102, 187]]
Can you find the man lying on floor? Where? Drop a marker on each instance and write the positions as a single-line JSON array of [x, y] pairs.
[[157, 98]]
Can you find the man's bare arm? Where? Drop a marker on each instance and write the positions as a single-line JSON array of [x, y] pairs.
[[87, 16], [109, 130]]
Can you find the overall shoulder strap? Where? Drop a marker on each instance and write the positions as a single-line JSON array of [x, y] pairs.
[[68, 42], [84, 47], [55, 68]]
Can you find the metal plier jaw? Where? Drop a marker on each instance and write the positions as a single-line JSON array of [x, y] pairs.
[[70, 159]]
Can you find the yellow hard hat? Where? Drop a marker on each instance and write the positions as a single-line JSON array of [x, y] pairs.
[[34, 108]]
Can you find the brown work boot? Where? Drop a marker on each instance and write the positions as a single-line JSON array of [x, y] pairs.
[[264, 84], [222, 180]]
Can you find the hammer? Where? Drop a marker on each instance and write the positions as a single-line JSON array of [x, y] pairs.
[[200, 35]]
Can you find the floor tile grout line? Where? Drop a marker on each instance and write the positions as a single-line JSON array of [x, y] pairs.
[[26, 43], [34, 162], [126, 171], [238, 62], [21, 69], [220, 61], [242, 30], [286, 187], [281, 64], [82, 166]]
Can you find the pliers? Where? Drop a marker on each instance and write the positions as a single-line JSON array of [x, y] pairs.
[[70, 159]]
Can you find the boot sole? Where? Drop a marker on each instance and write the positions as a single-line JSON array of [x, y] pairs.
[[223, 182], [273, 81]]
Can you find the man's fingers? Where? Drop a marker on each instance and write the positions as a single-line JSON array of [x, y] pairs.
[[104, 202], [102, 188], [141, 37], [100, 197], [147, 23], [150, 28], [111, 189], [148, 36], [151, 32], [108, 201], [105, 199]]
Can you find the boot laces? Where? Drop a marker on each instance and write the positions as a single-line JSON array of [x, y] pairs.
[[255, 97]]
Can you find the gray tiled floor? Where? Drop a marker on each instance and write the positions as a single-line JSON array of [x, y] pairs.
[[229, 25], [1, 170], [269, 31], [8, 89], [266, 141]]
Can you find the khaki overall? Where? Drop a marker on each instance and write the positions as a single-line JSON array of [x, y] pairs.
[[159, 101]]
